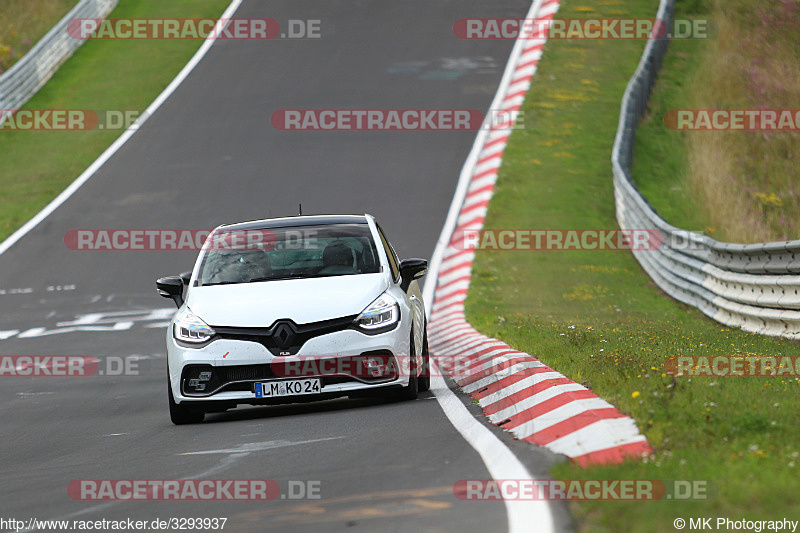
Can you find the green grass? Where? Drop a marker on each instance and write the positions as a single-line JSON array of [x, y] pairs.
[[740, 434], [660, 165], [102, 74], [24, 22], [736, 186]]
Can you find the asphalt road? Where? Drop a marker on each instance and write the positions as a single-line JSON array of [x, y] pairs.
[[211, 156]]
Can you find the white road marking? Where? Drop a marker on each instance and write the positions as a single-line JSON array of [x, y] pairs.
[[122, 139], [157, 325], [43, 332], [499, 460], [32, 332], [81, 320], [258, 446], [225, 463], [97, 322], [141, 357], [105, 156], [60, 288], [113, 317], [8, 334], [26, 290], [31, 290]]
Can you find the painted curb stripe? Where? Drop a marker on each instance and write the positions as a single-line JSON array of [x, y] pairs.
[[515, 390]]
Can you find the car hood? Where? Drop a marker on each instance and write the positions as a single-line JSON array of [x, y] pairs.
[[260, 304]]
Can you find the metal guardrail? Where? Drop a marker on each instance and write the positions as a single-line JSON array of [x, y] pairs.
[[754, 287], [19, 83]]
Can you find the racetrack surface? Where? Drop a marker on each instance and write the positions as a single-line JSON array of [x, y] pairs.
[[211, 156]]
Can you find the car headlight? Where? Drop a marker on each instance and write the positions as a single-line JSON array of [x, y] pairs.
[[382, 313], [190, 328]]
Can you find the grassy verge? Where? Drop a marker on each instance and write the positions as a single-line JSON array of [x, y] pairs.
[[102, 74], [23, 22], [596, 317], [661, 164], [737, 186]]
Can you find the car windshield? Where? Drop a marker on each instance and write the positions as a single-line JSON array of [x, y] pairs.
[[254, 255]]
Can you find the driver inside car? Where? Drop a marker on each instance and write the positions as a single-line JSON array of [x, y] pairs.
[[337, 258]]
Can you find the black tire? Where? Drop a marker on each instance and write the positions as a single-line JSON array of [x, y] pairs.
[[424, 380], [180, 414], [410, 391]]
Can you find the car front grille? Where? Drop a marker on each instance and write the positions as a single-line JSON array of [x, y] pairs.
[[205, 380], [284, 337]]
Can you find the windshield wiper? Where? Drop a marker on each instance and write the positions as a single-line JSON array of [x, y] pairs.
[[277, 278]]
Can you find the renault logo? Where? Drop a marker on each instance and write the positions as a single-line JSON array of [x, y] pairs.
[[283, 335]]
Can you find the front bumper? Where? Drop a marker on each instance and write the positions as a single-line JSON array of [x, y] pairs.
[[225, 371]]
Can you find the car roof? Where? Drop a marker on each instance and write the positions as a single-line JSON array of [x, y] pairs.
[[312, 220]]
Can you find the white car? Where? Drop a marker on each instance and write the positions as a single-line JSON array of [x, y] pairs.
[[291, 310]]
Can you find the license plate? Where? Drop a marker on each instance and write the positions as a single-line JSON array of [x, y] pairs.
[[289, 387]]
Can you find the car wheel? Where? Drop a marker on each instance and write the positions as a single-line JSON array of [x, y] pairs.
[[410, 391], [424, 380], [180, 414]]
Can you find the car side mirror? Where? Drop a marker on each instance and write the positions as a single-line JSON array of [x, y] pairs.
[[411, 269], [171, 287], [186, 277]]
